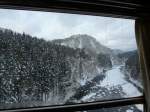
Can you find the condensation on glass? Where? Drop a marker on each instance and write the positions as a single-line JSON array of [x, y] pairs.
[[56, 58]]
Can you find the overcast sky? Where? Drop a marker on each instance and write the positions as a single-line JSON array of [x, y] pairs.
[[113, 32]]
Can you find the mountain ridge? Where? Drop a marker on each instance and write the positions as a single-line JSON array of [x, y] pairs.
[[87, 42], [82, 41]]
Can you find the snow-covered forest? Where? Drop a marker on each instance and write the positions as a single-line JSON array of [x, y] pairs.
[[36, 72]]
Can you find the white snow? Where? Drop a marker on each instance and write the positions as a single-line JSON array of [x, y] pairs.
[[130, 90], [80, 44], [140, 107], [85, 77], [129, 111], [64, 44], [136, 82], [98, 69], [115, 77], [87, 97], [83, 82]]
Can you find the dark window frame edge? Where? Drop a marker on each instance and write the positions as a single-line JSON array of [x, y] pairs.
[[109, 8], [6, 4], [83, 106]]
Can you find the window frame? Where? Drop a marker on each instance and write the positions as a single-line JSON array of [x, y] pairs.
[[82, 106], [113, 8]]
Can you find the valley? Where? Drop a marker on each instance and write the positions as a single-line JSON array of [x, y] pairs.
[[76, 69]]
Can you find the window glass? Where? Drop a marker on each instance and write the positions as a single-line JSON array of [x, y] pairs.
[[130, 108], [56, 58]]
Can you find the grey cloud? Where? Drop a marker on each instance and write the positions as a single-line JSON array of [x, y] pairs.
[[113, 32]]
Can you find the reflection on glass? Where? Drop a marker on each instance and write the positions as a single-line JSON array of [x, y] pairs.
[[130, 108], [65, 58]]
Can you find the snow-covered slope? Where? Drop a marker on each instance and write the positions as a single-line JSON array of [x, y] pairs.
[[115, 77], [114, 85], [83, 41], [59, 73]]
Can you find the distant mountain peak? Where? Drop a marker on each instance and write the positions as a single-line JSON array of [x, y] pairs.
[[84, 41], [85, 36]]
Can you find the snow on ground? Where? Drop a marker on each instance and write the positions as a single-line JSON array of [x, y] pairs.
[[130, 90], [129, 111], [136, 82], [87, 97], [83, 81], [115, 77], [140, 107]]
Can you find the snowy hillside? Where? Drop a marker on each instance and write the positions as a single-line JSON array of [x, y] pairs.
[[35, 72], [83, 41]]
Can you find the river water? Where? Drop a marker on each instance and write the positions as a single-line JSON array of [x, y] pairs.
[[114, 77]]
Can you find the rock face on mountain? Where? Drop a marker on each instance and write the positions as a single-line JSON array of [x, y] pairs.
[[90, 44], [104, 60], [132, 64], [132, 67], [35, 72], [91, 47]]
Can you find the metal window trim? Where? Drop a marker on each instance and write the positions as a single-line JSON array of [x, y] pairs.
[[113, 8], [83, 106]]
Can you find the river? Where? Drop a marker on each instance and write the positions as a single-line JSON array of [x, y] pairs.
[[114, 77], [108, 89]]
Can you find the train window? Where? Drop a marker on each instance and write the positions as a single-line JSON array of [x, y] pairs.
[[49, 59], [128, 108]]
